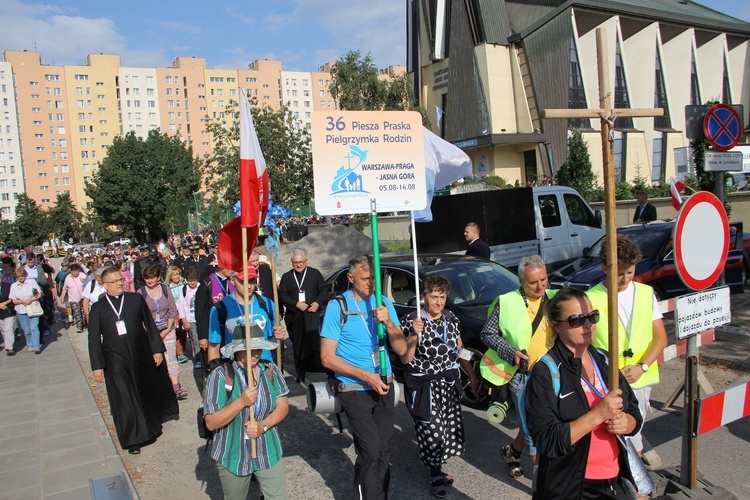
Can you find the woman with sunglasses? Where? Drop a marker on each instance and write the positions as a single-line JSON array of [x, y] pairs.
[[574, 413]]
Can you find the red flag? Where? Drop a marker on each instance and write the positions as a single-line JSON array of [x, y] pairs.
[[676, 187], [254, 188], [229, 246]]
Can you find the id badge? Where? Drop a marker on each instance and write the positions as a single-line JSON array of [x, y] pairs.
[[121, 329], [301, 297], [465, 354], [376, 360]]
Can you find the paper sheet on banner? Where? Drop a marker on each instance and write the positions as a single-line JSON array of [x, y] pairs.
[[702, 311], [363, 155]]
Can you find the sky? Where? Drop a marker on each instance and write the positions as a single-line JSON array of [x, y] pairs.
[[303, 34]]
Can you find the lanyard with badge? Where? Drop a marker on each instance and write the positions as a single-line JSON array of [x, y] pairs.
[[120, 324], [462, 353], [244, 385], [299, 285], [370, 329]]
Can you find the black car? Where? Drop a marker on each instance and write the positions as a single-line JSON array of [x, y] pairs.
[[656, 268], [475, 283]]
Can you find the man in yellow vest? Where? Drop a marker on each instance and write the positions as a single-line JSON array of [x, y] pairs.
[[641, 335], [517, 335]]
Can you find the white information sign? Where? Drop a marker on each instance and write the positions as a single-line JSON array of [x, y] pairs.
[[698, 312], [363, 155], [717, 161]]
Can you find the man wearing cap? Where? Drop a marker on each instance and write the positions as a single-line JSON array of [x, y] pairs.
[[230, 312], [184, 256], [126, 350], [195, 261], [302, 292], [152, 257], [351, 353], [229, 398]]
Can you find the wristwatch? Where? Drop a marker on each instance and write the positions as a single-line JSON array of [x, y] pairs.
[[265, 427], [644, 367]]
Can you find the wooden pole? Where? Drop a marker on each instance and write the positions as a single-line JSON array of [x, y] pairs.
[[610, 210], [276, 304], [249, 366]]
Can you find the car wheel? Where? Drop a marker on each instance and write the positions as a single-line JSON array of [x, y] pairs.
[[481, 399]]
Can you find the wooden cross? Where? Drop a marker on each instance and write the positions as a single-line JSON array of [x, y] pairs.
[[607, 115]]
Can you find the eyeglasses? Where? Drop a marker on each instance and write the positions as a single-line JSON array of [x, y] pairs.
[[121, 280], [578, 320], [298, 262]]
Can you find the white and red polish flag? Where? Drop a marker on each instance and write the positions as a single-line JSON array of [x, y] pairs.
[[254, 185], [676, 187]]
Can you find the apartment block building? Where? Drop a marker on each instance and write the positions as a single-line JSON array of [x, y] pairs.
[[11, 171], [56, 122]]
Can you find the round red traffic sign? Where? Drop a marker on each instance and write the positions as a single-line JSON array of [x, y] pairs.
[[723, 127], [701, 240]]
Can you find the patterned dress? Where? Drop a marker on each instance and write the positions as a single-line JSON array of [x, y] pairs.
[[443, 436]]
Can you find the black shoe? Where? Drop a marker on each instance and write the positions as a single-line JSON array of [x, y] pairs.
[[134, 450]]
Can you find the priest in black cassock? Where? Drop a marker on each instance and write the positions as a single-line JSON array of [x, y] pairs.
[[302, 293], [126, 350]]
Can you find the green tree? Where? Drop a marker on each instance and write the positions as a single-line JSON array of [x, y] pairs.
[[356, 87], [286, 149], [355, 84], [31, 221], [576, 172], [145, 186], [64, 220]]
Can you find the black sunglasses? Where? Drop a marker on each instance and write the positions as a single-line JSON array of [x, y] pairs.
[[578, 320]]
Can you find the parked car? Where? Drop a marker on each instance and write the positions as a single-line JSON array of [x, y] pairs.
[[657, 267], [475, 283], [121, 242]]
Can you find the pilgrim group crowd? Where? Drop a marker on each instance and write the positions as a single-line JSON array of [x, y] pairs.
[[149, 313]]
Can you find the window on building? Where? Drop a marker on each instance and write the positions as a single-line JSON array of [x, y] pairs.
[[622, 99], [726, 92], [576, 92], [695, 90], [657, 162], [660, 96], [618, 153], [81, 77]]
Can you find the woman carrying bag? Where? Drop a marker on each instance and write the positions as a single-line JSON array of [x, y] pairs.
[[26, 296]]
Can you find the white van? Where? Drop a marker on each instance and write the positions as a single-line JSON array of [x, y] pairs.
[[552, 221]]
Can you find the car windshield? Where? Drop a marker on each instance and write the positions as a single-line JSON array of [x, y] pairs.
[[475, 282], [650, 243]]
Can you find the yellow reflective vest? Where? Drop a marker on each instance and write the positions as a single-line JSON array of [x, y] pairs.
[[515, 327], [641, 330]]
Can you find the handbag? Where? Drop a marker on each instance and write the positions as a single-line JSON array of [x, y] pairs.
[[34, 310], [643, 482]]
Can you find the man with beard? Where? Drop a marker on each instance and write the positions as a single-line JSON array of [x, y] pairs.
[[302, 292], [126, 350]]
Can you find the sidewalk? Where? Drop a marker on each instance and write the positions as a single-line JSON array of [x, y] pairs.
[[52, 436]]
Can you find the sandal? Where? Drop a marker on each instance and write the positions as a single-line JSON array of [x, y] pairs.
[[437, 488], [448, 479], [513, 461]]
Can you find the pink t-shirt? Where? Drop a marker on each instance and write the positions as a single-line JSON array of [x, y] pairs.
[[603, 450], [74, 287]]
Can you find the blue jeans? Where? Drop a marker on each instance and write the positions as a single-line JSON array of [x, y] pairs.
[[518, 392], [30, 327]]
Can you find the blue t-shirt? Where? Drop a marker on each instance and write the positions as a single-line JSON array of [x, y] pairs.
[[358, 340], [236, 319]]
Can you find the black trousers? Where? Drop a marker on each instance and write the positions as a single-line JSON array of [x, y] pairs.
[[604, 489], [371, 420]]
